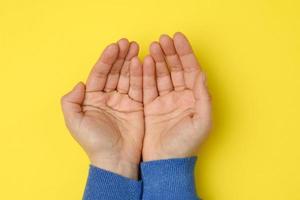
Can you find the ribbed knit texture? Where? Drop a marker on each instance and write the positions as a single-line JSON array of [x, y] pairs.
[[171, 179], [105, 185]]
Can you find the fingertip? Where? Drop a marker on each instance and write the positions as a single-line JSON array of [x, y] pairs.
[[123, 41], [180, 38], [75, 94], [112, 48], [110, 53], [79, 85], [135, 61], [178, 35], [133, 50], [164, 38], [148, 60], [135, 66], [135, 45], [157, 52], [182, 44], [167, 45], [154, 47], [123, 47]]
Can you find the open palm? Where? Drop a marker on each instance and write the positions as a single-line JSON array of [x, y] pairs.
[[176, 101], [108, 122]]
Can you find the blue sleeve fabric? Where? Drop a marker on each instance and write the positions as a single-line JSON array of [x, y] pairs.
[[171, 179], [105, 185]]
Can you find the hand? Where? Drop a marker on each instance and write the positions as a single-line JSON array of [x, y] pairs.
[[106, 117], [177, 105]]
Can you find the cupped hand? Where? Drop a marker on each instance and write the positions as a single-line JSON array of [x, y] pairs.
[[177, 105], [106, 115]]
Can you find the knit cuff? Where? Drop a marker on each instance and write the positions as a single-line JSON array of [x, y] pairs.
[[103, 184], [169, 179]]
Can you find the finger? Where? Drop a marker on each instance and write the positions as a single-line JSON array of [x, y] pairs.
[[136, 80], [163, 78], [187, 58], [113, 76], [202, 117], [123, 84], [149, 82], [173, 61], [71, 105], [97, 78]]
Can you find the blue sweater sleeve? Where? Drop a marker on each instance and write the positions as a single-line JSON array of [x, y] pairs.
[[104, 185], [171, 179]]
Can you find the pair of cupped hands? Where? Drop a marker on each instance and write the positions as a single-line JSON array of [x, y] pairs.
[[131, 111]]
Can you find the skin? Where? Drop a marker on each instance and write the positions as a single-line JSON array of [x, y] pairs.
[[129, 111], [177, 104], [106, 116]]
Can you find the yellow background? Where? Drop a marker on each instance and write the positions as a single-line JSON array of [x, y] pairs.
[[249, 49]]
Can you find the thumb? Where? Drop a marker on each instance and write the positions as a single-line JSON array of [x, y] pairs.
[[71, 105], [202, 117]]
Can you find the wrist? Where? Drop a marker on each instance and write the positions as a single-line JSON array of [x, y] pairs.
[[121, 167]]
